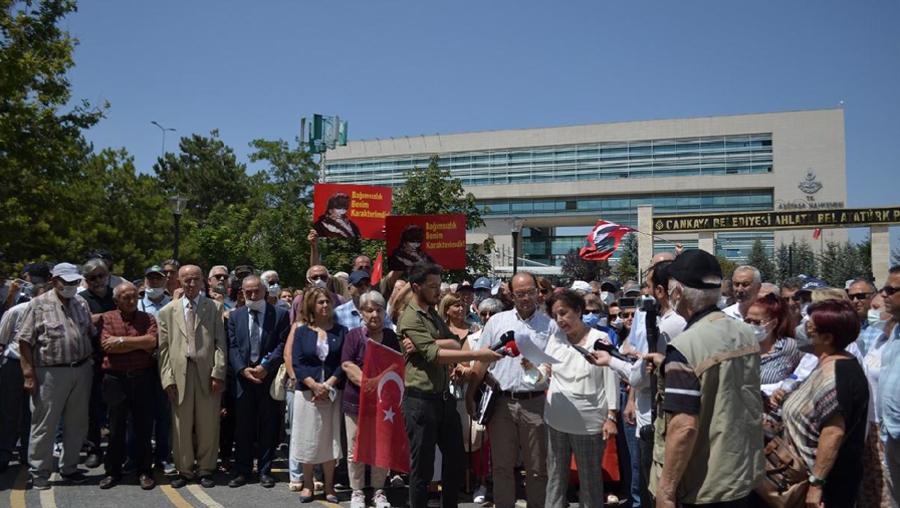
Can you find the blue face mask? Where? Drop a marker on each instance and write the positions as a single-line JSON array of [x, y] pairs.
[[590, 319]]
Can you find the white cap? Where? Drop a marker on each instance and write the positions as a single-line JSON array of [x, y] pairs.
[[580, 285], [67, 272]]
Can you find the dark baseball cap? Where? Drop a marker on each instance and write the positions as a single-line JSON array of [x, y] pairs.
[[155, 269], [609, 285], [696, 269], [464, 286], [358, 276]]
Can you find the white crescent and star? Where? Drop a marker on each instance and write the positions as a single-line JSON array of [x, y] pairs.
[[385, 379]]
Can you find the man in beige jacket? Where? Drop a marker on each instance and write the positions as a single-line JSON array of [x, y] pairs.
[[192, 362]]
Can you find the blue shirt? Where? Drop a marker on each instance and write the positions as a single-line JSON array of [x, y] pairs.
[[889, 386], [868, 337], [150, 307]]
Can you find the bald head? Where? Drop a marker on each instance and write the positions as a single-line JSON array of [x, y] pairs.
[[191, 278], [662, 256]]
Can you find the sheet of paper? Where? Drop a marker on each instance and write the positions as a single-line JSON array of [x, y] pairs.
[[532, 352]]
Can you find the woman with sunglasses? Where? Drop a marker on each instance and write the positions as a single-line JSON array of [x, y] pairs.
[[771, 323]]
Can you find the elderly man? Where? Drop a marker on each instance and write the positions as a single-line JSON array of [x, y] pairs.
[[15, 412], [708, 443], [256, 334], [192, 363], [888, 400], [517, 426], [170, 269], [746, 281], [128, 340], [55, 345], [860, 293], [217, 282], [347, 314], [768, 288]]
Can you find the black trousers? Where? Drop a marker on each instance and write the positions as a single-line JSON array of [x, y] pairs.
[[15, 413], [433, 421], [227, 427], [645, 446], [126, 394], [256, 421]]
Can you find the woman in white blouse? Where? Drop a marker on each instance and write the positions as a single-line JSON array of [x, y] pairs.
[[580, 408]]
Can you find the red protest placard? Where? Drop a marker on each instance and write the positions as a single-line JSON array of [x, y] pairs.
[[437, 238], [351, 211]]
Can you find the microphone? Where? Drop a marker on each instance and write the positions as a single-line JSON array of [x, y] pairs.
[[506, 338], [599, 345], [511, 350]]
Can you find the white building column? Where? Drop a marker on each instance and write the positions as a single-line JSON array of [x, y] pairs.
[[881, 253], [706, 240], [645, 240]]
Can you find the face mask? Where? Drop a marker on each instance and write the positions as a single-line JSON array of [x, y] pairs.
[[415, 245], [340, 211], [723, 302], [257, 305], [318, 283], [274, 289], [154, 293], [760, 331], [803, 309], [874, 318], [604, 295], [68, 291], [590, 319]]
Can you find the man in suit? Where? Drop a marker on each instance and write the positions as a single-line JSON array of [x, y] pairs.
[[256, 336], [192, 361]]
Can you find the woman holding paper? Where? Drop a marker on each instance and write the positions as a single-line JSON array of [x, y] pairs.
[[315, 353], [581, 405]]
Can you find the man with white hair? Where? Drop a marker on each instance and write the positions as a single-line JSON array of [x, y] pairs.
[[217, 282], [746, 281], [271, 281], [708, 444], [768, 288]]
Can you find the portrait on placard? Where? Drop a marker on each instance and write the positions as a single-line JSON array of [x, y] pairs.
[[437, 239], [351, 211]]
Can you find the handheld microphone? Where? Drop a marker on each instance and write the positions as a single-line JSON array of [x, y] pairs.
[[506, 338], [599, 345], [511, 350]]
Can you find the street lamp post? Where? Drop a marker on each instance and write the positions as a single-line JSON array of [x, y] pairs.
[[163, 130], [516, 227], [178, 203]]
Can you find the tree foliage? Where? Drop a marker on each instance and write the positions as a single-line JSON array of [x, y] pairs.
[[627, 267], [759, 258], [576, 268]]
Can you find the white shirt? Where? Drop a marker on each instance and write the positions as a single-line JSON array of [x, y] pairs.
[[508, 371], [733, 311], [9, 325], [184, 305], [670, 325], [580, 393]]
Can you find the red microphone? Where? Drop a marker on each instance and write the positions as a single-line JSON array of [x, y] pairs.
[[511, 350]]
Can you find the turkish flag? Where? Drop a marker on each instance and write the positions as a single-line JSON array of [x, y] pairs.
[[817, 233], [381, 434], [377, 269]]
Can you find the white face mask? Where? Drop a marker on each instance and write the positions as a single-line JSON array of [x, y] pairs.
[[257, 305], [874, 318], [68, 291], [760, 331], [723, 302], [604, 295], [340, 211], [415, 245], [154, 293], [318, 283], [274, 289]]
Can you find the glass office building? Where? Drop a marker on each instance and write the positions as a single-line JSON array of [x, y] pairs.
[[559, 181]]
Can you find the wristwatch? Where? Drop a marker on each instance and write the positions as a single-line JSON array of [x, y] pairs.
[[611, 418], [815, 481], [120, 341]]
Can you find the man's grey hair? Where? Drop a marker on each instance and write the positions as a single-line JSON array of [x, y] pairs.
[[93, 264], [215, 268], [491, 305], [696, 299], [122, 287], [863, 280], [757, 277], [769, 287], [371, 297], [309, 270], [250, 278], [266, 274]]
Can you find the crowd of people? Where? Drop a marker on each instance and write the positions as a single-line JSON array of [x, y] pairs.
[[687, 389]]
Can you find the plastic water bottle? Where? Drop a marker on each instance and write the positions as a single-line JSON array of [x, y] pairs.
[[790, 384]]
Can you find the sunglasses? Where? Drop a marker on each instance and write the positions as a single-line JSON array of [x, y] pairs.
[[889, 290], [318, 277], [626, 315], [91, 278], [859, 296]]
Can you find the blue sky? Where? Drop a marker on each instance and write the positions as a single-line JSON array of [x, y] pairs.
[[391, 68]]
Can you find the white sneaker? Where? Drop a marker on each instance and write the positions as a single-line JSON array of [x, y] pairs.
[[358, 499], [480, 494], [381, 500]]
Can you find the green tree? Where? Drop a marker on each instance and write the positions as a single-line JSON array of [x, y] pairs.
[[627, 266], [759, 258], [726, 265], [433, 191], [840, 262], [576, 268], [42, 148], [794, 259]]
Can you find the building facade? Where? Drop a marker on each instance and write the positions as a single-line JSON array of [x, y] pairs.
[[558, 181]]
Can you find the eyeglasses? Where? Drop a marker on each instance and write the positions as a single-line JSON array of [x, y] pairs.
[[318, 277], [626, 314], [859, 296], [220, 276], [91, 278], [756, 322], [889, 290], [525, 294]]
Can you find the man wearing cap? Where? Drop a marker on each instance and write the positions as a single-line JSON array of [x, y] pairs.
[[746, 281], [708, 443], [482, 289], [55, 347], [467, 296], [581, 287], [192, 363], [347, 314], [155, 298]]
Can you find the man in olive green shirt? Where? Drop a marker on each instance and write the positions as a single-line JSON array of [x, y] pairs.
[[429, 409]]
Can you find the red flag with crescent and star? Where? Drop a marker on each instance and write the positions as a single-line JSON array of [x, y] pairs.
[[381, 434], [603, 240]]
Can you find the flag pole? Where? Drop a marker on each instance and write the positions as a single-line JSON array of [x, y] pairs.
[[654, 237]]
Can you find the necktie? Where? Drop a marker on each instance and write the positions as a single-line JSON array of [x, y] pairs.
[[254, 336], [190, 321]]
